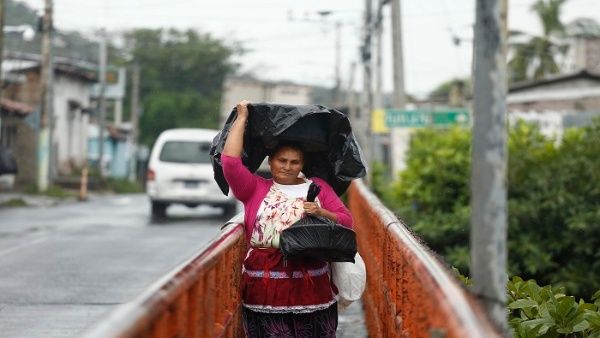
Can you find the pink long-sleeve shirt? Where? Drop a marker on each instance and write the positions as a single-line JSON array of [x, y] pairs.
[[252, 189]]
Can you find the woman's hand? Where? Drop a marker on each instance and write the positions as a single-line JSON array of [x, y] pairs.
[[242, 109], [235, 140], [312, 208]]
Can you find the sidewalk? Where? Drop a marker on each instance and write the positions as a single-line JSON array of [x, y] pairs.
[[351, 322], [31, 200]]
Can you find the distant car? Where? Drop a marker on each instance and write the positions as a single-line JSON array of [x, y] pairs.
[[180, 172]]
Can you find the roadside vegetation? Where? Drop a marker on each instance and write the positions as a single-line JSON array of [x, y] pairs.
[[13, 203], [52, 191], [553, 215], [123, 186]]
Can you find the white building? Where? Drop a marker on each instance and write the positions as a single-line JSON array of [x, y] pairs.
[[70, 107], [236, 89]]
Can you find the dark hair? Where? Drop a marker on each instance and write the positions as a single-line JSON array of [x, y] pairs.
[[287, 144]]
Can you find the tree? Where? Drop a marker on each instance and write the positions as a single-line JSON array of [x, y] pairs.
[[182, 74], [536, 57], [553, 196], [446, 90]]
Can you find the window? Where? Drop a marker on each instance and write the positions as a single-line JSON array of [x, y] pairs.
[[185, 152]]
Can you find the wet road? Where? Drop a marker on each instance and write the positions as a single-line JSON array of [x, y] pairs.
[[62, 268]]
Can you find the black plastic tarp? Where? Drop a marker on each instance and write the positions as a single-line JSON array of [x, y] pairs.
[[332, 152], [320, 238]]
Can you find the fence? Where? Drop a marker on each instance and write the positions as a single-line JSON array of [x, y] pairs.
[[198, 299], [409, 293]]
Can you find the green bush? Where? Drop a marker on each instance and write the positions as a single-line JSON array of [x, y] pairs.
[[13, 203], [548, 312], [52, 191], [124, 186], [553, 198]]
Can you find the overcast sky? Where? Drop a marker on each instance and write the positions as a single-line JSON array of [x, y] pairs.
[[288, 40]]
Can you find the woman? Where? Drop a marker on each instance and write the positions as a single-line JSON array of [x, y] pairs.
[[281, 298]]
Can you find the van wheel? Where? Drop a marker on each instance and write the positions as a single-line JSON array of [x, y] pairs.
[[159, 209]]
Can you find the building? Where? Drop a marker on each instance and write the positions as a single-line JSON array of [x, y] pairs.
[[584, 46], [119, 150], [236, 89], [577, 91], [114, 94], [71, 96], [18, 134], [556, 103]]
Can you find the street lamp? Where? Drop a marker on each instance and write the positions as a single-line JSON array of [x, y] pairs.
[[338, 56], [338, 36]]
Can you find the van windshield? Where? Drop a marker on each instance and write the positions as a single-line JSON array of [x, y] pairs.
[[185, 152]]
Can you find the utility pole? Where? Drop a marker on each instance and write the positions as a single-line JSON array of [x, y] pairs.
[[135, 96], [367, 96], [45, 157], [349, 97], [400, 137], [102, 101], [338, 61], [337, 90], [378, 27], [488, 162], [377, 139], [398, 55], [2, 10]]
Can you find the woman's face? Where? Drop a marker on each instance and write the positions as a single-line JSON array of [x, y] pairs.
[[285, 165]]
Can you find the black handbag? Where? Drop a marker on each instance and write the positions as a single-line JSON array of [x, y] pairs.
[[318, 237]]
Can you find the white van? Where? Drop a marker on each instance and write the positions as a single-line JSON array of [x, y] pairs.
[[179, 171]]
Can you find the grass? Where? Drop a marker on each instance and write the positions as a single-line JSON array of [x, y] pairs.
[[124, 186], [13, 203], [116, 185], [52, 191]]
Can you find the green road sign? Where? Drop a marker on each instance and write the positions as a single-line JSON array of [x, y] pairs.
[[423, 118]]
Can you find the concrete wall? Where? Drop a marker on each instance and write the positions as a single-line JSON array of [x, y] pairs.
[[70, 129], [583, 53], [235, 90], [71, 124]]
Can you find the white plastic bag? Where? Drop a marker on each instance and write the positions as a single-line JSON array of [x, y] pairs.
[[350, 280]]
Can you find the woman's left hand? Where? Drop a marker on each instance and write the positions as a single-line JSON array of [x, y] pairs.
[[312, 208]]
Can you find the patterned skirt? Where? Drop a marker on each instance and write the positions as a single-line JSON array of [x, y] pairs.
[[287, 298], [321, 323]]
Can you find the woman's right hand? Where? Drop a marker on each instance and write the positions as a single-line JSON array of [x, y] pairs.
[[235, 140], [242, 108]]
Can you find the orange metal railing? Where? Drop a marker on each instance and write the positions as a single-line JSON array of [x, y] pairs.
[[198, 299], [409, 293]]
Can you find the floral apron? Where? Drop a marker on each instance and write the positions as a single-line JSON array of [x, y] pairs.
[[271, 284]]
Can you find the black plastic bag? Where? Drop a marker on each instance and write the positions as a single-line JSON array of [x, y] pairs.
[[8, 164], [320, 238], [332, 152]]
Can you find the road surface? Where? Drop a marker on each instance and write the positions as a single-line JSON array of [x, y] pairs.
[[62, 268]]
